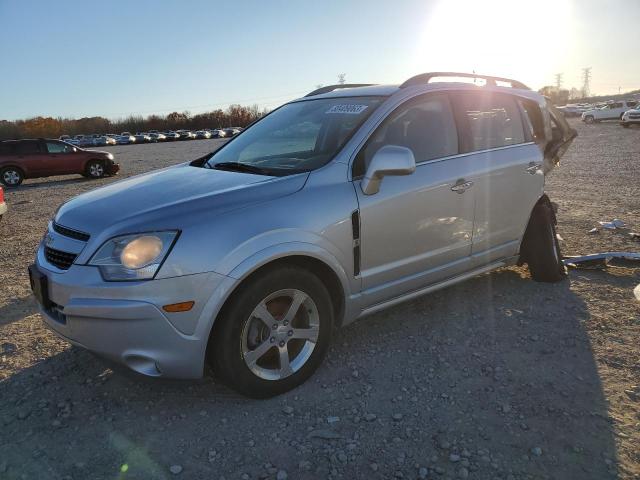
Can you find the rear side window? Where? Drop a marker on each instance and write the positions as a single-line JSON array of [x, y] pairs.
[[491, 120], [632, 104], [534, 124], [425, 125], [27, 147]]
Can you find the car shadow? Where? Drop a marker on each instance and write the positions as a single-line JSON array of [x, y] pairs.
[[496, 373], [56, 183]]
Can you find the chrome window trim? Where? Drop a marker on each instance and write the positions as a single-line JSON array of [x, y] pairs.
[[394, 102], [442, 159]]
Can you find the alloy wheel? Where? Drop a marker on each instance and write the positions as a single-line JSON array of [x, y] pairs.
[[280, 334], [96, 170], [11, 177]]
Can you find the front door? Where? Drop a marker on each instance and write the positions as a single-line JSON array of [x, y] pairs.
[[417, 229], [60, 159]]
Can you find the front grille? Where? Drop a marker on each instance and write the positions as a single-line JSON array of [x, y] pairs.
[[68, 232], [634, 115], [60, 259]]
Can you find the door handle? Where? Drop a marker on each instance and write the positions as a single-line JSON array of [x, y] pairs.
[[533, 168], [462, 186]]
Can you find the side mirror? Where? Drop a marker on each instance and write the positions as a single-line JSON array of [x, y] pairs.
[[389, 160]]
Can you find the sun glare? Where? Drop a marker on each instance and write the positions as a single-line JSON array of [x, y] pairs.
[[522, 39]]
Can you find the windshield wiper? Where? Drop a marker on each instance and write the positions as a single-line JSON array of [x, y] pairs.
[[241, 167]]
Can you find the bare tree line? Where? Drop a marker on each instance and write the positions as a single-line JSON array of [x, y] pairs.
[[48, 127]]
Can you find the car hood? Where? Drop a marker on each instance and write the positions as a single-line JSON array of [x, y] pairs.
[[170, 198]]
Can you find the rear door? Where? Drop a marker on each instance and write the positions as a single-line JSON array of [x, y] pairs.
[[505, 168], [31, 157]]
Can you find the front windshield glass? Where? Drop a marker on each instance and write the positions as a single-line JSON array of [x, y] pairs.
[[298, 137]]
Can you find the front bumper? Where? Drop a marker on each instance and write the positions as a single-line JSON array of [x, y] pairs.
[[124, 321], [113, 168]]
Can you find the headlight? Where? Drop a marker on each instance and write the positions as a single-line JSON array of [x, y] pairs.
[[133, 257]]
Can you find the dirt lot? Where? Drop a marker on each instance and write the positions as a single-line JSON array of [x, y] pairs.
[[496, 378]]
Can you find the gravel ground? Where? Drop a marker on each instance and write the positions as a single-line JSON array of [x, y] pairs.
[[496, 378]]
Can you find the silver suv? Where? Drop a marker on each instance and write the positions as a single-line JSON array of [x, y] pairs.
[[330, 208]]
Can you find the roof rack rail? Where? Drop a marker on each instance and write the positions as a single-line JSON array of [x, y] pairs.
[[425, 77], [331, 88]]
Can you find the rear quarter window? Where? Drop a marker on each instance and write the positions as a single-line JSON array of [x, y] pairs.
[[533, 121]]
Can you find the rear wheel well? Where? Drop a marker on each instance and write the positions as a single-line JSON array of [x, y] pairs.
[[320, 269]]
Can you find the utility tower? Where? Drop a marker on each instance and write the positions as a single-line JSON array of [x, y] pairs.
[[586, 79], [559, 80], [341, 78]]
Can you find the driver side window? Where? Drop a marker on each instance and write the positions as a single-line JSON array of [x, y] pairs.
[[55, 147], [425, 125]]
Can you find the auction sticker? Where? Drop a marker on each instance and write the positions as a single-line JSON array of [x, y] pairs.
[[350, 109]]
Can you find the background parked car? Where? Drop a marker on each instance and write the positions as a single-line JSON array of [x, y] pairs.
[[631, 117], [203, 134], [142, 138], [132, 138], [157, 137], [3, 204], [186, 134], [20, 159], [230, 132], [611, 111], [171, 135]]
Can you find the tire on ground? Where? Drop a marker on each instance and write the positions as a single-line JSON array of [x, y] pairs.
[[94, 169], [540, 248], [225, 354]]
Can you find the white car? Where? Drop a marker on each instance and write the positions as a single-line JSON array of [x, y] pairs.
[[611, 111], [631, 117]]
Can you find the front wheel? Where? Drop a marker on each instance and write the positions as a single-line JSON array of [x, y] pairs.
[[94, 169], [589, 119], [273, 334]]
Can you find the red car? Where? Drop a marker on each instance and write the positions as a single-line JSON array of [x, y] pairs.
[[3, 204], [20, 159]]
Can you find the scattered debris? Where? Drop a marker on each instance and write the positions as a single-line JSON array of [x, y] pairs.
[[613, 224], [324, 434], [636, 292], [594, 230], [635, 236], [560, 239], [598, 260]]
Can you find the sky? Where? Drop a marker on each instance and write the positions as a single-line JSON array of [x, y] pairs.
[[83, 58]]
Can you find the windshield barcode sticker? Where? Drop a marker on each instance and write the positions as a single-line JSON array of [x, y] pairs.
[[347, 108]]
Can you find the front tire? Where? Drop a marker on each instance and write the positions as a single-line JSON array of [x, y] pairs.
[[11, 176], [589, 119], [273, 333], [540, 246], [94, 169]]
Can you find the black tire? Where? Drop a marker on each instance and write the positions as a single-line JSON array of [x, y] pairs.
[[11, 176], [225, 352], [540, 247], [589, 119], [94, 169]]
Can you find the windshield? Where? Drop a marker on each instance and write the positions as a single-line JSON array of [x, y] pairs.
[[298, 137]]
